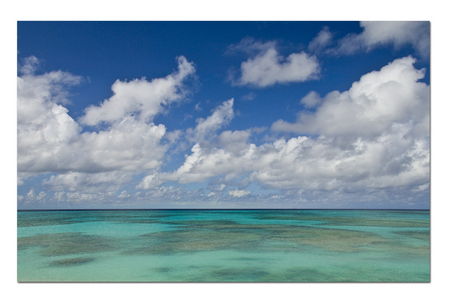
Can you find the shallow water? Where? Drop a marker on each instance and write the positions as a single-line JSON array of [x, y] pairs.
[[223, 246]]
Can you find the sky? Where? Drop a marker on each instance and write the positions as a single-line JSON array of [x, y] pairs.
[[223, 115]]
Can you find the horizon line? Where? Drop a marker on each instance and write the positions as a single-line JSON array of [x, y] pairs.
[[147, 209]]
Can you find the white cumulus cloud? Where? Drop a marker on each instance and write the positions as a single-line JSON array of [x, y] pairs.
[[268, 67], [380, 141], [88, 182], [372, 106], [381, 33], [50, 140], [140, 97], [206, 128], [239, 193], [311, 99], [322, 40]]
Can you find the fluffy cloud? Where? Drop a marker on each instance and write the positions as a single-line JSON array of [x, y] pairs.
[[50, 140], [43, 125], [200, 135], [375, 34], [310, 164], [30, 64], [374, 105], [311, 99], [269, 68], [381, 142], [323, 39], [204, 135], [140, 97], [33, 197], [150, 181], [126, 146], [205, 128], [323, 165], [374, 135], [205, 163], [88, 183], [239, 193]]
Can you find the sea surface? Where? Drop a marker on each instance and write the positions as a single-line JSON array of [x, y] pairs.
[[223, 246]]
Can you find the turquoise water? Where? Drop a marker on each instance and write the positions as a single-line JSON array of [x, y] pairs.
[[223, 246]]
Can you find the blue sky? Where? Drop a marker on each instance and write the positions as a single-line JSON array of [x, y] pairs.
[[223, 115]]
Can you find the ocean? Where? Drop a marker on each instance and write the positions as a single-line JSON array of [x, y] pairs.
[[223, 246]]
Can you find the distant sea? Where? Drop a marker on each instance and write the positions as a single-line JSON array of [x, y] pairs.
[[223, 246]]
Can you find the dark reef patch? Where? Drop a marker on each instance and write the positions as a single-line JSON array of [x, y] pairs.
[[213, 235], [66, 243], [421, 235], [237, 274], [163, 269], [71, 262]]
